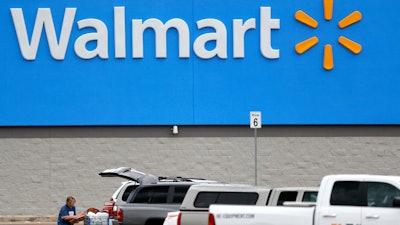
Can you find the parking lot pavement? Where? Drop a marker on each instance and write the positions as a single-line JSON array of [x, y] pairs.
[[29, 223], [29, 220]]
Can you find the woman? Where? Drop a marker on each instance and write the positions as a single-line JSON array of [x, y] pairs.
[[67, 215]]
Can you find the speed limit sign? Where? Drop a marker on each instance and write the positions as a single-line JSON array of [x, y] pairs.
[[255, 119]]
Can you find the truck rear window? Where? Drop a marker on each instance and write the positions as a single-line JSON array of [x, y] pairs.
[[205, 199]]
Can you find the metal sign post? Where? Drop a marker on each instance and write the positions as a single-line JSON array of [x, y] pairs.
[[255, 123]]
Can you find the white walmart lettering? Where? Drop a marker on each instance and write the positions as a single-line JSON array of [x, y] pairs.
[[58, 45]]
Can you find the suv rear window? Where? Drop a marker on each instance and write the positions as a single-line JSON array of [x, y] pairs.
[[205, 199], [127, 191]]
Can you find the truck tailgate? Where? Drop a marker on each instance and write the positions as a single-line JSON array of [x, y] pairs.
[[261, 215]]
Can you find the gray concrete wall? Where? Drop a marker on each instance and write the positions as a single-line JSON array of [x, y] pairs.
[[41, 166]]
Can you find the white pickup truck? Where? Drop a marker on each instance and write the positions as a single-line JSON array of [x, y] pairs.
[[342, 200]]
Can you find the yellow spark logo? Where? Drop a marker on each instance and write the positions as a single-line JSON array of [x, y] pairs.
[[351, 19]]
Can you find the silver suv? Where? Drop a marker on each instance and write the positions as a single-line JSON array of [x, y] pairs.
[[120, 196], [145, 198]]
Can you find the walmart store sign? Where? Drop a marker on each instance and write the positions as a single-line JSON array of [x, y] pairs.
[[58, 47], [198, 62]]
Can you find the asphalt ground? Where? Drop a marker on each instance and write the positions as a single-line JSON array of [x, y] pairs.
[[30, 223], [29, 220]]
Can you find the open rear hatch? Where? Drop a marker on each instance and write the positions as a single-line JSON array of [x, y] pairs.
[[130, 174]]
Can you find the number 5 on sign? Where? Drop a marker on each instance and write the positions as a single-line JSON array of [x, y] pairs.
[[255, 119]]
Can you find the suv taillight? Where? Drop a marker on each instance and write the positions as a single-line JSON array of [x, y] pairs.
[[114, 211], [120, 215], [211, 220], [179, 219]]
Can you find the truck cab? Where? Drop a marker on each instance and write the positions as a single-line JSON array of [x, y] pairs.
[[359, 199]]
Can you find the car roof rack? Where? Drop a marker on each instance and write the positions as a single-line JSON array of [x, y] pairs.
[[178, 179]]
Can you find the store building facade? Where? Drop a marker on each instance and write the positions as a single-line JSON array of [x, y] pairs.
[[87, 87]]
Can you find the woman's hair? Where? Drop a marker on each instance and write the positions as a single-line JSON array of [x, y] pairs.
[[70, 198]]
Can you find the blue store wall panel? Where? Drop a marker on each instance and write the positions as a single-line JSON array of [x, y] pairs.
[[201, 83]]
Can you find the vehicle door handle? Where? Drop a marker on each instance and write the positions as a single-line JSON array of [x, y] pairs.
[[373, 217], [332, 215]]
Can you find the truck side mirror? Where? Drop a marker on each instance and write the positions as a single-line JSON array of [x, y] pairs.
[[396, 202]]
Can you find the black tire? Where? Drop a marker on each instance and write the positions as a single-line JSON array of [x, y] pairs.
[[155, 222]]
